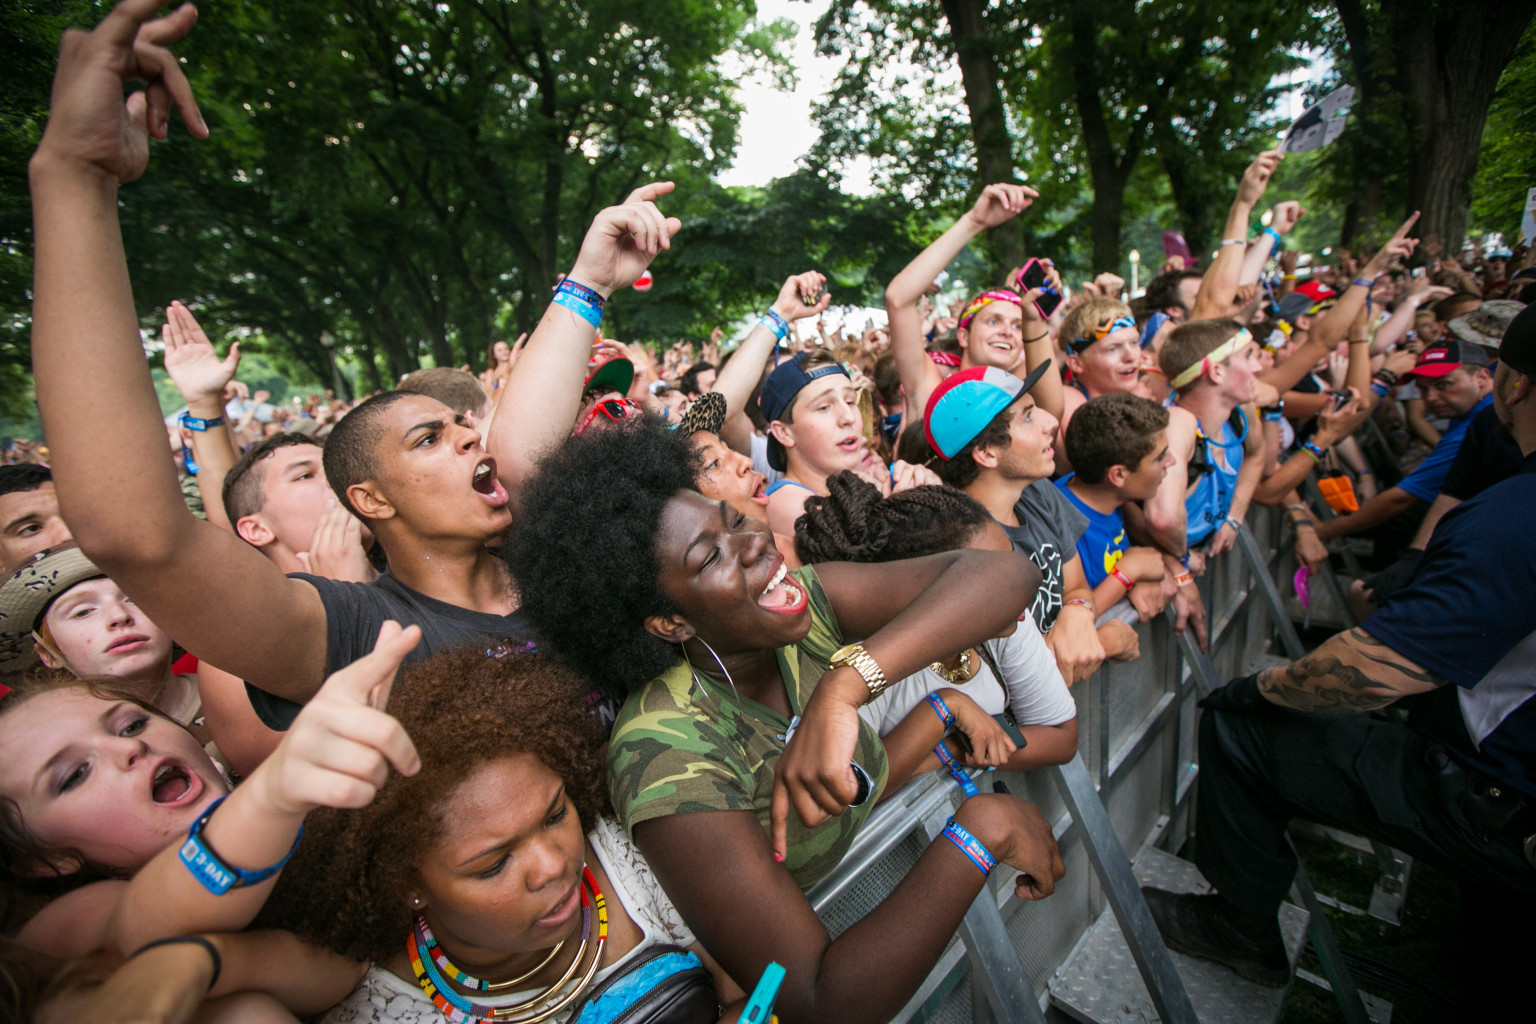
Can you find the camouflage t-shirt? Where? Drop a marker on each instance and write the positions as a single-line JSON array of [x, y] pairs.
[[684, 744]]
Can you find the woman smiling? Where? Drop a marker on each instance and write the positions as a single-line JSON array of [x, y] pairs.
[[684, 605]]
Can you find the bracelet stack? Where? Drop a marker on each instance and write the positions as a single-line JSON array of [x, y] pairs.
[[776, 324], [581, 300], [970, 846], [1311, 448], [1365, 283]]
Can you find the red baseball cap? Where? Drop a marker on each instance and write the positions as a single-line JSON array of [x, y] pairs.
[[1448, 356]]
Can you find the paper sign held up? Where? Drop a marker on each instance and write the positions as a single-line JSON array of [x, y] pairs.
[[1320, 123]]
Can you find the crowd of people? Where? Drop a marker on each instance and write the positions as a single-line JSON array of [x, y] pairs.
[[514, 696]]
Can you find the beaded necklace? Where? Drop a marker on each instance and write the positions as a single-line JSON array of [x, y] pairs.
[[428, 962]]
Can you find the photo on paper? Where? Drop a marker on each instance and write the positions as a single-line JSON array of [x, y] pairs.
[[1320, 123]]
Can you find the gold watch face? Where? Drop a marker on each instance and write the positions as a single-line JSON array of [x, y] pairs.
[[844, 653]]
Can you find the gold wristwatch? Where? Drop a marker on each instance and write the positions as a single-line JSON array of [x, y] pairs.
[[854, 656]]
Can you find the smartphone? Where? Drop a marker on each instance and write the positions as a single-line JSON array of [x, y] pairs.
[[1032, 276], [759, 1008], [1340, 399]]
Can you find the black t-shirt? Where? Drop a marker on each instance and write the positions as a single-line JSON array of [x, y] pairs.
[[1048, 530], [1488, 455], [355, 611]]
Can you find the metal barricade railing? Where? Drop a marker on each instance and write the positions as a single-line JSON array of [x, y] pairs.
[[1137, 745]]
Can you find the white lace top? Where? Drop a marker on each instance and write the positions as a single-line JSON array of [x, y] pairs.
[[386, 999]]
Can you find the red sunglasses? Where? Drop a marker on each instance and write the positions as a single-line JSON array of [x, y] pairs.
[[616, 409]]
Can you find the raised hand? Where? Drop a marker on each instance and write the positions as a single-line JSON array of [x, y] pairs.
[[339, 750], [802, 296], [336, 550], [624, 239], [89, 124], [1284, 216], [191, 361], [1399, 246], [999, 204], [1256, 177]]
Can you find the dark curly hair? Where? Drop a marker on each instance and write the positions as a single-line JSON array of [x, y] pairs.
[[853, 523], [346, 887], [1113, 430], [584, 550]]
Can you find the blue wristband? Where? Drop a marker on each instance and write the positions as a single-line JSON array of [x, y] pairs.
[[1272, 233], [1363, 283], [588, 312], [209, 868], [956, 770], [1312, 449], [588, 295], [775, 323], [1273, 415], [970, 846], [941, 709], [1380, 388]]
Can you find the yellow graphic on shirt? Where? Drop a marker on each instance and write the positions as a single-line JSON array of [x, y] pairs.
[[1113, 552]]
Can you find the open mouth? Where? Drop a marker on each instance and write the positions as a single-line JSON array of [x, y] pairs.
[[782, 594], [760, 490], [487, 486], [175, 785], [851, 444]]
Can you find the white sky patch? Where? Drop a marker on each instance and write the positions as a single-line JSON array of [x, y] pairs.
[[776, 129]]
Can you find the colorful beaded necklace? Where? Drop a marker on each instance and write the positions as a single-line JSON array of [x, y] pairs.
[[429, 963]]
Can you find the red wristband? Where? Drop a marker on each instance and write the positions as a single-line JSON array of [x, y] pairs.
[[1125, 581]]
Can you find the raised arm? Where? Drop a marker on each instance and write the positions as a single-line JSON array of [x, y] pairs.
[[1282, 221], [1328, 331], [1219, 285], [203, 379], [117, 489], [996, 205], [1420, 292], [798, 298], [538, 405]]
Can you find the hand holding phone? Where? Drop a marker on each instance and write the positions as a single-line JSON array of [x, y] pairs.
[[1033, 276]]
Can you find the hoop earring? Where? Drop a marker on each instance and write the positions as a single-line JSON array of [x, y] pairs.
[[695, 672]]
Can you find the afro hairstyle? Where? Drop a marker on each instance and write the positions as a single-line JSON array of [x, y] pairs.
[[584, 550]]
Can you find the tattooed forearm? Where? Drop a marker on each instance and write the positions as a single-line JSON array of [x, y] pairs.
[[1350, 673]]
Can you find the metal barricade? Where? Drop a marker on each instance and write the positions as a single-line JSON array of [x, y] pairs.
[[1137, 745]]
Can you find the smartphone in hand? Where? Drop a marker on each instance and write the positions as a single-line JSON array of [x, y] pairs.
[[1032, 276]]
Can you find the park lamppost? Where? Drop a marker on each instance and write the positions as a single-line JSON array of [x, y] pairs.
[[1135, 272]]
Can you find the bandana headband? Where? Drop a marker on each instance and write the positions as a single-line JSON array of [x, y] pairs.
[[1211, 358], [983, 299], [1154, 324], [944, 359], [1101, 332]]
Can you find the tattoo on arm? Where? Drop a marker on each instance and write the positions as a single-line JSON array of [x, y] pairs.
[[1350, 673]]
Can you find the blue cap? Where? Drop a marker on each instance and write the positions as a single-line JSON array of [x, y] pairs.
[[779, 391], [962, 406]]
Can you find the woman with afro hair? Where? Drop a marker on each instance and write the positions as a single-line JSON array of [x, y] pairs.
[[1016, 673], [741, 688], [486, 859]]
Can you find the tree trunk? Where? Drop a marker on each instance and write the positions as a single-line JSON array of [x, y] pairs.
[[1109, 166], [1449, 69], [989, 123]]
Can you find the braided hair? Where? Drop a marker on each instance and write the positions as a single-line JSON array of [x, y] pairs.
[[853, 523]]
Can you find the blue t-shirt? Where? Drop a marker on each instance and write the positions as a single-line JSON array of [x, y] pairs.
[[1468, 617], [1103, 544], [1425, 481]]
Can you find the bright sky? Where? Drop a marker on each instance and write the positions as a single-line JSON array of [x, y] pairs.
[[777, 129]]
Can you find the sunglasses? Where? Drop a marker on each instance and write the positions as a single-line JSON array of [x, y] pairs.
[[616, 409], [1102, 331]]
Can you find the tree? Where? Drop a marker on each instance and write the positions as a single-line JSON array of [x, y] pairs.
[[1439, 63], [1507, 168]]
